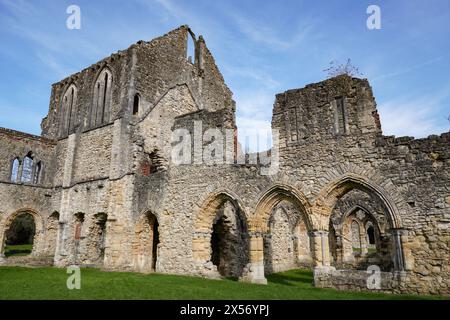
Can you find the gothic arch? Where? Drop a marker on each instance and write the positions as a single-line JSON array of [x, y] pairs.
[[205, 222], [38, 221], [102, 98], [146, 240], [207, 212], [330, 194], [389, 199], [68, 111], [273, 196]]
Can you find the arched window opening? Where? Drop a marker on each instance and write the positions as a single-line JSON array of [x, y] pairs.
[[136, 104], [15, 170], [19, 237], [102, 99], [68, 111], [37, 173], [356, 240], [190, 47], [27, 169], [371, 235]]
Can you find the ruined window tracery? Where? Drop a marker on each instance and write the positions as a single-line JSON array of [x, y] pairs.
[[102, 99], [27, 168], [37, 173], [68, 111], [15, 170]]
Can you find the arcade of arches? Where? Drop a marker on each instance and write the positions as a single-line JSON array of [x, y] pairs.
[[283, 234]]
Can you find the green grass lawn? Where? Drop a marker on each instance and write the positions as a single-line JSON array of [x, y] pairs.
[[18, 250], [50, 283]]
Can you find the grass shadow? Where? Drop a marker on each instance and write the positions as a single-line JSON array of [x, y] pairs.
[[292, 277]]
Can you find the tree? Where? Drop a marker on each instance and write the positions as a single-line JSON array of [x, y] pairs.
[[336, 69], [21, 231]]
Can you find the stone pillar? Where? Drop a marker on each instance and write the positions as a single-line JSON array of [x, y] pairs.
[[397, 234], [201, 247], [254, 271], [363, 241], [320, 249]]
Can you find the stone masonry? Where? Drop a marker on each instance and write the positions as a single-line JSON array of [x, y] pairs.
[[104, 190]]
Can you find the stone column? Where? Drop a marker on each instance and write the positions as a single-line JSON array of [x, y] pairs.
[[254, 271], [397, 235], [201, 246], [363, 241], [320, 249]]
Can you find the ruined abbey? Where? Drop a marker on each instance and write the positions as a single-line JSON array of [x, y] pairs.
[[104, 191]]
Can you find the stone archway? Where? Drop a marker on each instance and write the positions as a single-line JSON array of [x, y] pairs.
[[146, 243], [329, 198], [38, 239], [221, 236], [260, 228]]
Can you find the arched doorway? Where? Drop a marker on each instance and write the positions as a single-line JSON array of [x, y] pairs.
[[145, 244], [19, 237], [357, 210], [221, 236], [282, 217], [21, 233], [286, 244], [229, 241]]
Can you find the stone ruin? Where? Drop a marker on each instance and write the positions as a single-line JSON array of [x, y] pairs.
[[105, 192]]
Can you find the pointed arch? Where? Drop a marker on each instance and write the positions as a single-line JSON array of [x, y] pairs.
[[329, 196], [68, 111], [15, 166], [39, 227], [27, 168], [269, 200], [136, 104], [100, 108], [207, 212], [145, 245], [221, 219]]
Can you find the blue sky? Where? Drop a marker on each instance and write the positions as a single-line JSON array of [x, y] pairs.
[[261, 47]]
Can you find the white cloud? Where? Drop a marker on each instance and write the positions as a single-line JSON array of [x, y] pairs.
[[412, 116], [255, 104], [264, 34], [253, 74]]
